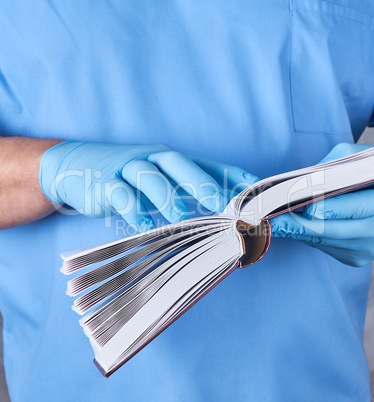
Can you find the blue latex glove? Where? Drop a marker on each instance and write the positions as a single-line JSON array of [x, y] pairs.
[[231, 179], [99, 179], [342, 226]]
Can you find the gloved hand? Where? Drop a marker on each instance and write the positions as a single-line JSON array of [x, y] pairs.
[[99, 179], [342, 226]]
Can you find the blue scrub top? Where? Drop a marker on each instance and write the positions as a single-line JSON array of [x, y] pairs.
[[267, 85]]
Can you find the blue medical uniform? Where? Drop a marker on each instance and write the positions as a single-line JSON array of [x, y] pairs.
[[267, 85]]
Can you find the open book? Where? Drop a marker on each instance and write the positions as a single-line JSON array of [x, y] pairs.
[[137, 286]]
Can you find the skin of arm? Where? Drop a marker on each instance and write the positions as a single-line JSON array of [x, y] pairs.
[[21, 198]]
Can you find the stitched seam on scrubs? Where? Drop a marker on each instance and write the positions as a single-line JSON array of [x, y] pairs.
[[335, 9], [328, 9], [290, 65], [297, 130]]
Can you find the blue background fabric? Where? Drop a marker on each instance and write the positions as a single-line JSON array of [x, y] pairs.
[[267, 85]]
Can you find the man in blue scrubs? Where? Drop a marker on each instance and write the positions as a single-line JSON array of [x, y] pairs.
[[265, 86]]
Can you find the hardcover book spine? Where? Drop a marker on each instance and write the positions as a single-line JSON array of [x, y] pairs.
[[256, 241]]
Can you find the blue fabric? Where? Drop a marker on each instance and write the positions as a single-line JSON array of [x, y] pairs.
[[265, 85]]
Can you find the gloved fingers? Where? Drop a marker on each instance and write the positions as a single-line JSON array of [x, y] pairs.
[[347, 244], [344, 149], [352, 257], [295, 224], [229, 177], [145, 176], [357, 205], [191, 178], [353, 251], [120, 198], [341, 226]]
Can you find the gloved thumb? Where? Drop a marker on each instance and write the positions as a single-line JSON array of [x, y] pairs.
[[344, 149], [357, 205]]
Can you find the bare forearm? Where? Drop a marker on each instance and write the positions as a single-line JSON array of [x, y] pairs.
[[21, 198]]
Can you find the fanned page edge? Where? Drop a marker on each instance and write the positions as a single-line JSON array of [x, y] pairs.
[[107, 374], [187, 272], [235, 265], [83, 251]]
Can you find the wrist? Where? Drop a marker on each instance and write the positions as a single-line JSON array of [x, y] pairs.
[[52, 170]]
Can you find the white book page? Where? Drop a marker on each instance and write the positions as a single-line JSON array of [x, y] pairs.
[[322, 180], [168, 295]]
